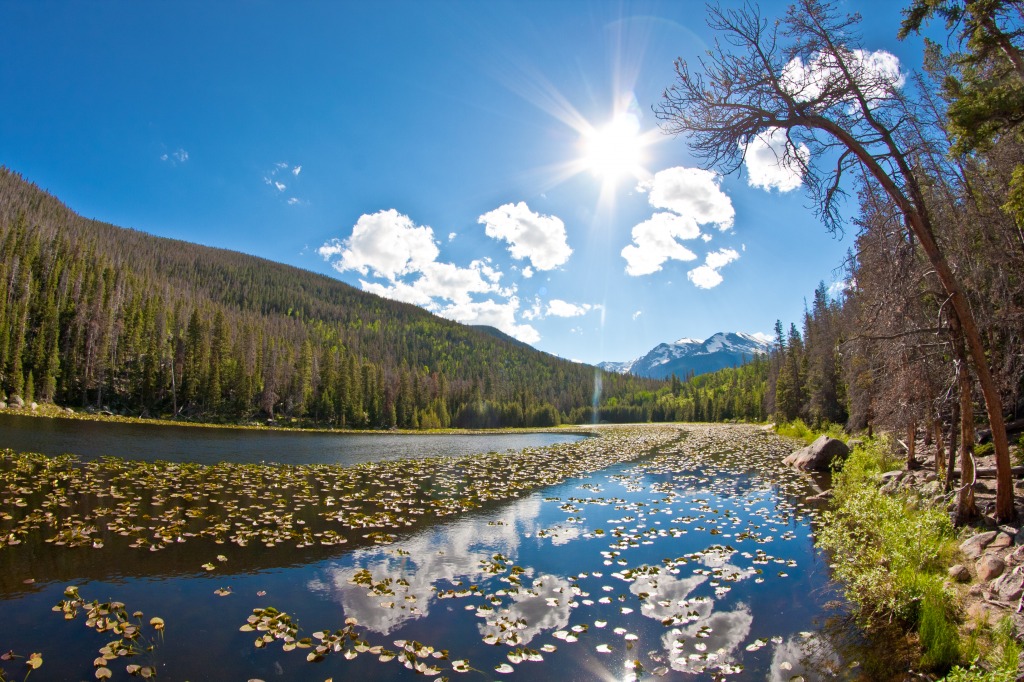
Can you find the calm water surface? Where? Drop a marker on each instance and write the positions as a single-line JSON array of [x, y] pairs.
[[687, 569], [93, 439]]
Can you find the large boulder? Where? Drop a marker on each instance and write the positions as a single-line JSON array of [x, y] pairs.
[[974, 546], [819, 455]]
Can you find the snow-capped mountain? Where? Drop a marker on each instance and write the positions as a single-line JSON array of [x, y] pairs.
[[721, 350]]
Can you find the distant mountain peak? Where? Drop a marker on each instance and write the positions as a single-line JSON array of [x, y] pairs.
[[718, 351]]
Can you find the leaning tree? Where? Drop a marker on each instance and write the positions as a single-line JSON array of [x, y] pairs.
[[804, 87]]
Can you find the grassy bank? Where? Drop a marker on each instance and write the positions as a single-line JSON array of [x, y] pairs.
[[891, 553]]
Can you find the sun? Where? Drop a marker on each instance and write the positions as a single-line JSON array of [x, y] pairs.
[[615, 150]]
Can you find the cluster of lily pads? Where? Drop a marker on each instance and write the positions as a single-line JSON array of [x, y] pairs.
[[698, 485], [133, 638], [153, 505]]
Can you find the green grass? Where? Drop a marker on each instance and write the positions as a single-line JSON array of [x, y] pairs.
[[1004, 652], [891, 553], [799, 430]]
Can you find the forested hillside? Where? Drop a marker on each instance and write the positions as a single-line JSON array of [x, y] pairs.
[[97, 315]]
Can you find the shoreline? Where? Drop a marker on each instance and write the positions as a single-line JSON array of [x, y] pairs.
[[50, 411]]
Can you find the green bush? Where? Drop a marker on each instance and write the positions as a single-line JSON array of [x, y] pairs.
[[890, 555], [798, 429]]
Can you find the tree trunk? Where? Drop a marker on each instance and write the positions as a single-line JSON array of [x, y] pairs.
[[939, 454], [965, 507], [911, 445], [951, 453], [912, 206]]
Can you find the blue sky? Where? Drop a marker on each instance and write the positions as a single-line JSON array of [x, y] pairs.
[[436, 152]]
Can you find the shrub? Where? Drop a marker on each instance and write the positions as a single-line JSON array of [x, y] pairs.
[[890, 554]]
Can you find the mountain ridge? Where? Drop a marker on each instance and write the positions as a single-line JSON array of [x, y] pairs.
[[686, 355]]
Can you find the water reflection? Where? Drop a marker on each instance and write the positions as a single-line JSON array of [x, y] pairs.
[[210, 445], [438, 559], [671, 564]]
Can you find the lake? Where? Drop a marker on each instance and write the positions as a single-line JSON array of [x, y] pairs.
[[92, 439], [674, 552]]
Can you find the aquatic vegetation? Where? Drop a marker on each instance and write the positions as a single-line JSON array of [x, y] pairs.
[[650, 550], [113, 617], [704, 481], [155, 505], [33, 662]]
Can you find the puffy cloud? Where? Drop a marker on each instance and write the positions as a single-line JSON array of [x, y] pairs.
[[707, 276], [296, 170], [279, 185], [560, 308], [637, 314], [387, 242], [654, 242], [535, 311], [691, 192], [877, 72], [400, 291], [768, 164], [539, 238], [527, 272], [495, 314], [293, 200], [401, 259]]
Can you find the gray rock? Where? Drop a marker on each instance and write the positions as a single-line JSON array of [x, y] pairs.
[[16, 401], [1002, 541], [819, 455], [1009, 586], [892, 476], [3, 405], [989, 567], [854, 443], [974, 547], [959, 573], [34, 406]]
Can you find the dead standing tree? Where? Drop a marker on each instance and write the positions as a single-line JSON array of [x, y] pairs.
[[837, 110]]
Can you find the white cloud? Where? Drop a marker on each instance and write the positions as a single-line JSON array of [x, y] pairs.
[[451, 236], [878, 73], [296, 170], [704, 277], [768, 164], [535, 311], [654, 242], [560, 308], [637, 314], [527, 272], [387, 242], [837, 289], [707, 276], [279, 185], [293, 200], [691, 192], [720, 258], [177, 156], [390, 246], [539, 238], [400, 291], [495, 314]]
